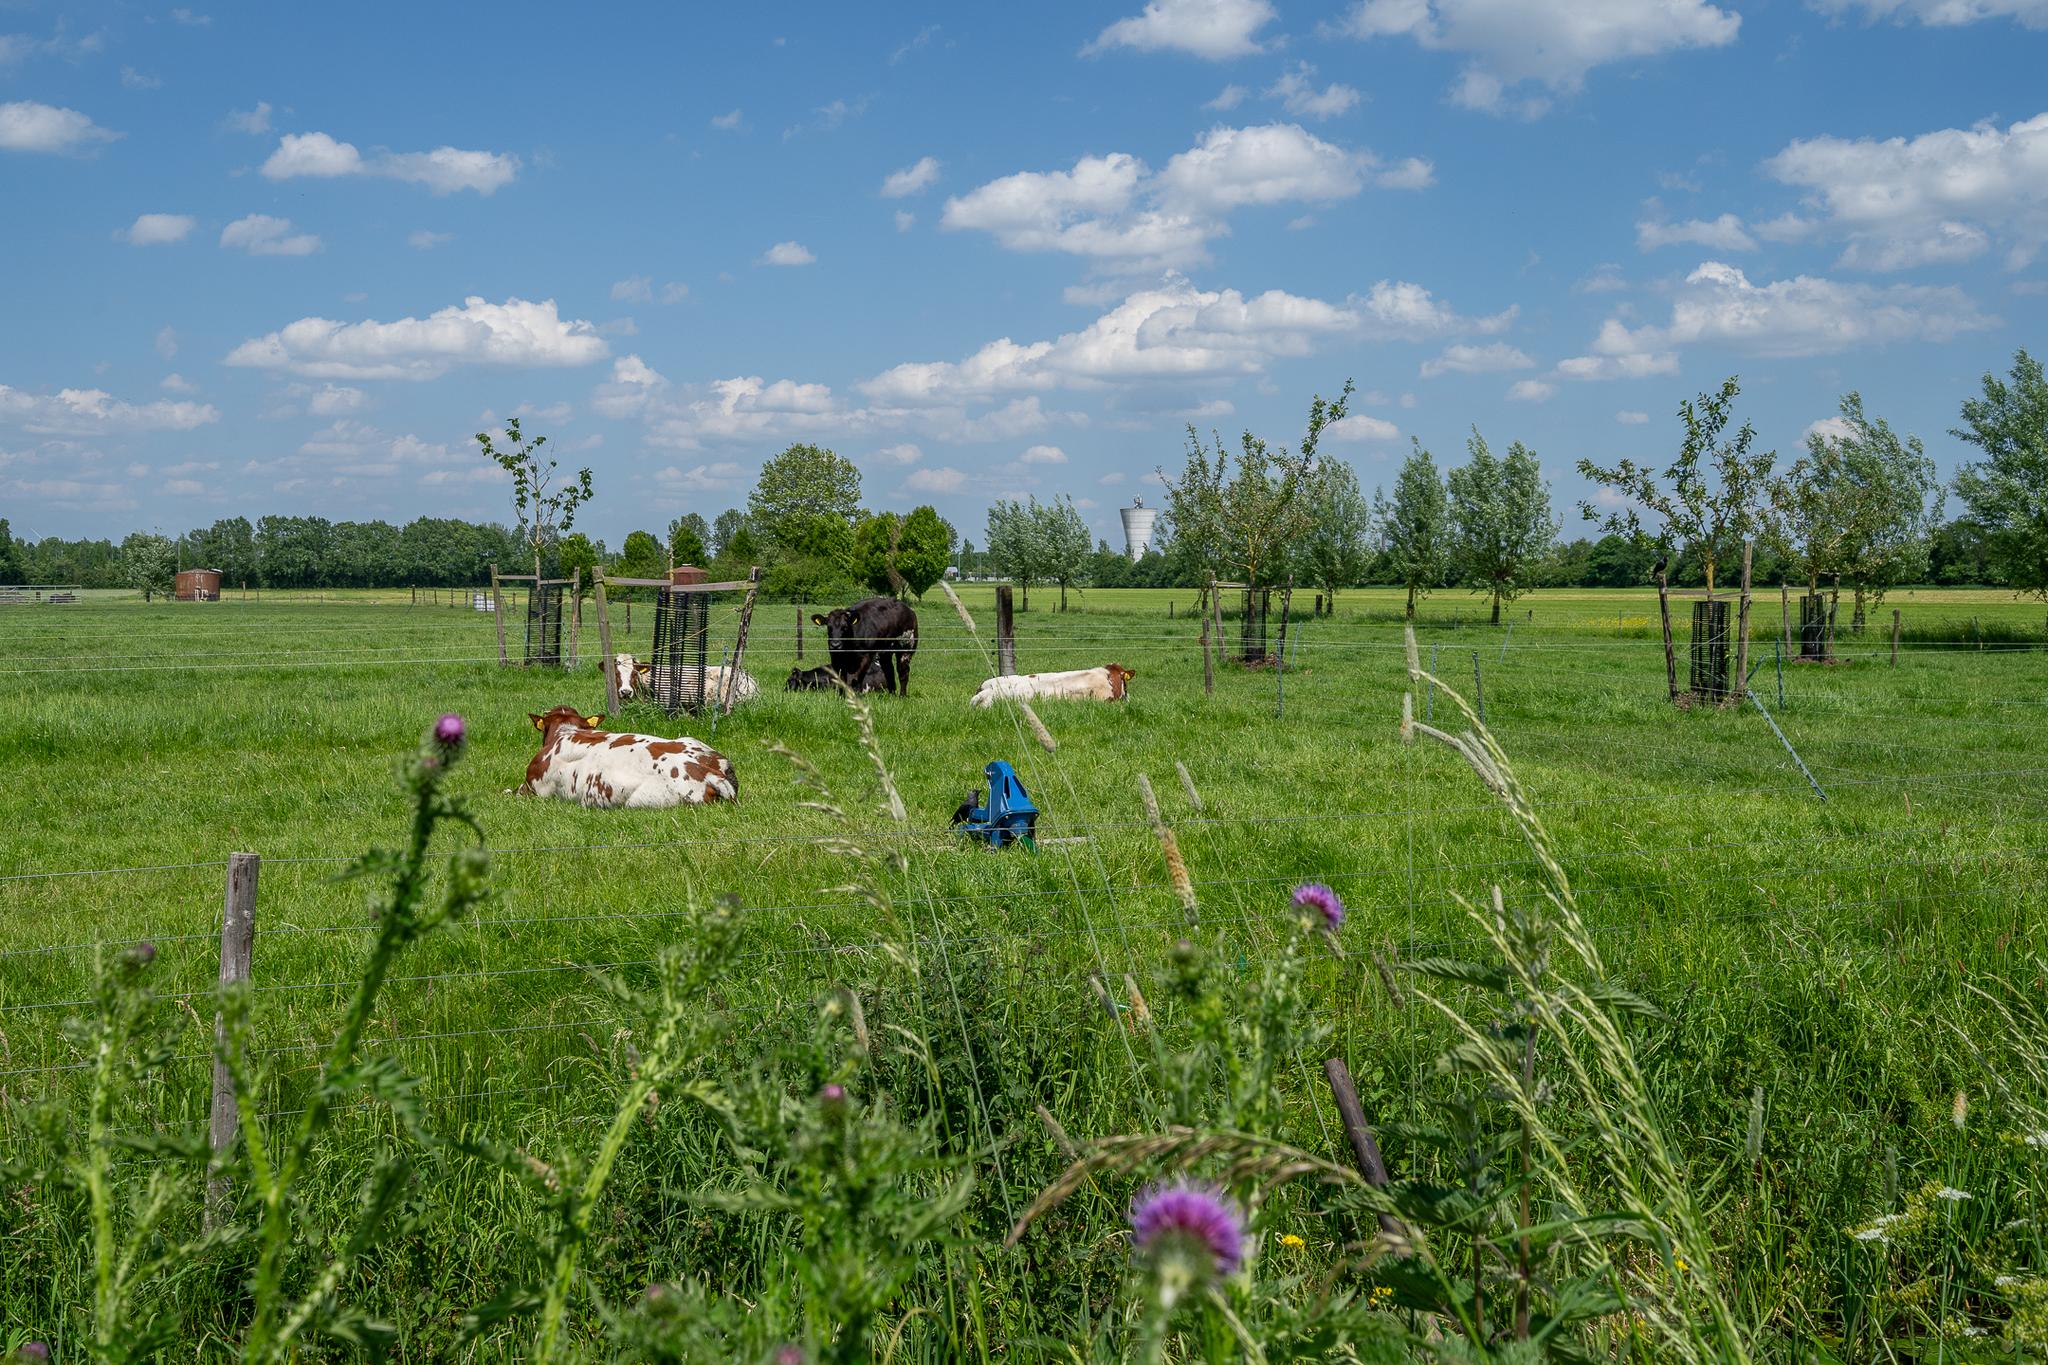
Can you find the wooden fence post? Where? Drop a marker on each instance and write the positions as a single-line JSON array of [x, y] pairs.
[[1664, 610], [1208, 645], [1280, 662], [498, 611], [604, 644], [739, 648], [1742, 625], [1365, 1148], [799, 634], [1006, 632], [1895, 637], [575, 611], [237, 951]]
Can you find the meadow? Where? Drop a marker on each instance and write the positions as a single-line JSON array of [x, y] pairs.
[[1827, 975]]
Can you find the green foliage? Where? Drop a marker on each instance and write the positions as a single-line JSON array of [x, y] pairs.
[[924, 549], [1415, 531], [1062, 532], [2007, 491], [729, 524], [1335, 552], [149, 563], [10, 556], [1714, 492], [799, 487], [1245, 521], [876, 543], [577, 554], [1500, 520], [544, 508], [689, 540], [1015, 547], [640, 557]]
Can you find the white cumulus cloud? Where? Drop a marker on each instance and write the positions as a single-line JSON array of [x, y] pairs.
[[1043, 455], [26, 126], [1360, 426], [159, 229], [1465, 358], [1531, 391], [920, 175], [1214, 29], [787, 253], [1630, 418], [259, 234], [1725, 233], [443, 170], [1942, 13], [1297, 93], [90, 412], [942, 479], [515, 333], [255, 122], [636, 289]]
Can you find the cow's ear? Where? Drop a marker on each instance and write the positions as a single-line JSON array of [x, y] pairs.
[[539, 722], [1129, 672], [593, 721], [817, 618]]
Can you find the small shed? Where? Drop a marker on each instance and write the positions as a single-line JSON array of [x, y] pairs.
[[198, 585]]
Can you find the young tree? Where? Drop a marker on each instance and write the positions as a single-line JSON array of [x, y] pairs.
[[1063, 532], [1712, 495], [578, 555], [687, 537], [2007, 492], [1415, 526], [924, 549], [11, 559], [149, 563], [1884, 498], [728, 525], [640, 557], [545, 509], [1334, 553], [1501, 527], [875, 543], [1244, 522], [1014, 549], [804, 481]]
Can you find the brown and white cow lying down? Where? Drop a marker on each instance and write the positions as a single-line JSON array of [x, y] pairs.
[[1106, 683], [579, 762], [632, 676]]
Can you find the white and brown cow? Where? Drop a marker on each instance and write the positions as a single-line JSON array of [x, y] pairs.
[[631, 676], [1107, 683], [580, 762]]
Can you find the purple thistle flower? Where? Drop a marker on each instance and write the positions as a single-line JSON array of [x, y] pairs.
[[34, 1350], [1197, 1214], [790, 1355], [449, 731], [1316, 896]]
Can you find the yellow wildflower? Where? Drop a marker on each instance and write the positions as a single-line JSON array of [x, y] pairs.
[[1291, 1242]]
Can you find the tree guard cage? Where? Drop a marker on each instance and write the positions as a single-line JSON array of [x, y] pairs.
[[683, 652], [1710, 649], [544, 625], [1813, 626], [544, 610], [1258, 603]]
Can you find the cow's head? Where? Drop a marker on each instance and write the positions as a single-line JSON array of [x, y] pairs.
[[1119, 678], [550, 721], [627, 675], [838, 622]]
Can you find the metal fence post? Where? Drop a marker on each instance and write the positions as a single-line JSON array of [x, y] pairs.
[[237, 953]]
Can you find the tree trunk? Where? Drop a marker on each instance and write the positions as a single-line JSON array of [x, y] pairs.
[[1063, 594], [1496, 606], [1411, 600], [1856, 622]]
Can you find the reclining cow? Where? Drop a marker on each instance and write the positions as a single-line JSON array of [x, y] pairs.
[[1107, 683], [580, 762], [873, 630], [823, 679], [631, 677]]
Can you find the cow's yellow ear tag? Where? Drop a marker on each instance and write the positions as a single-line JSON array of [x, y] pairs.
[[593, 721]]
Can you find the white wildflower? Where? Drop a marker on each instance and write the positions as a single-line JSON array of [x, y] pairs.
[[1951, 1193], [1870, 1235], [2037, 1139]]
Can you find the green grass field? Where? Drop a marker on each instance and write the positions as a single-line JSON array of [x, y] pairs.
[[1825, 951]]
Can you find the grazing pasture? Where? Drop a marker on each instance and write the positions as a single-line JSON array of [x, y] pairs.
[[1827, 974]]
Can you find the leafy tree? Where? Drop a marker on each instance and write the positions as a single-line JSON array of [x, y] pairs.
[[875, 543], [743, 549], [1334, 552], [1712, 494], [545, 509], [579, 555], [2007, 492], [640, 557], [12, 562], [228, 545], [924, 549], [687, 539], [728, 525], [803, 482], [1501, 526], [149, 563], [1617, 561], [1063, 533], [1893, 503], [1415, 526], [1014, 548], [291, 552], [1959, 554], [1244, 522]]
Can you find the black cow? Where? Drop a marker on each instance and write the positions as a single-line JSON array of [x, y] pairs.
[[823, 679], [874, 630]]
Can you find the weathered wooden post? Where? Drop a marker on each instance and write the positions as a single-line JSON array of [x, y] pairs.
[[1280, 660], [604, 643], [1664, 610], [739, 647], [1208, 645], [1365, 1148], [575, 611], [1895, 637], [498, 610], [1742, 626], [799, 634], [1006, 630], [237, 953]]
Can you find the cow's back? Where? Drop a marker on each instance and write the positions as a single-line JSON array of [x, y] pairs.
[[631, 771]]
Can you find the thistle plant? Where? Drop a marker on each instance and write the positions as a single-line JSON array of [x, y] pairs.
[[294, 1297]]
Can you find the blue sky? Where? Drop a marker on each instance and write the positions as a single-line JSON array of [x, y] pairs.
[[289, 258]]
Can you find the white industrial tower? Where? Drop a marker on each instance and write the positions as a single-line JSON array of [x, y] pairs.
[[1137, 527]]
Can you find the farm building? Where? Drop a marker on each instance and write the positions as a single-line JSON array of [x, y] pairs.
[[198, 585]]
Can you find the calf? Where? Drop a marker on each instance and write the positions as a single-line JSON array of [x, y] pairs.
[[579, 762], [632, 676], [1107, 683], [627, 673], [825, 680], [873, 630]]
